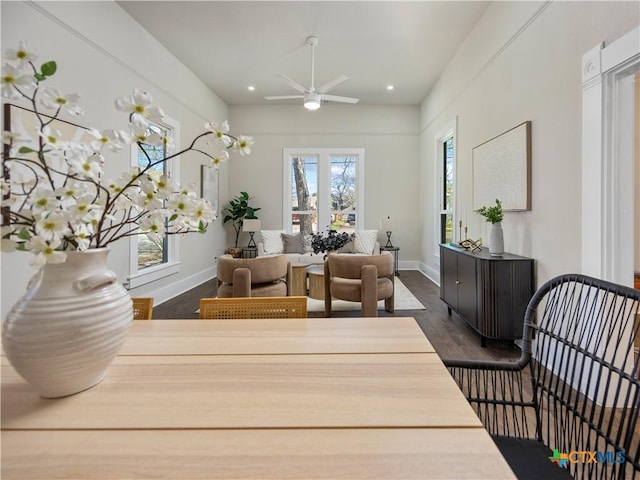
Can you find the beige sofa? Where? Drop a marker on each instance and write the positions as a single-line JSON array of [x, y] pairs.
[[304, 253]]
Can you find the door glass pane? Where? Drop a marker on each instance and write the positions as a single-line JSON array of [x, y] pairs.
[[304, 194], [343, 193], [446, 228], [448, 175], [152, 252]]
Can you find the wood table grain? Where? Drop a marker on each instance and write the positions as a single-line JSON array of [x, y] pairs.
[[234, 405]]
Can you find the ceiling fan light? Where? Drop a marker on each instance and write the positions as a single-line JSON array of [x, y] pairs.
[[312, 104]]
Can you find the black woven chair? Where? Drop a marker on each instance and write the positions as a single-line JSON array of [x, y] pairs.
[[578, 337]]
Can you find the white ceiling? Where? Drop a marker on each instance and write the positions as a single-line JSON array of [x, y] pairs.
[[231, 45]]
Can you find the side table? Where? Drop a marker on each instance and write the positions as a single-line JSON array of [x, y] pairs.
[[250, 252], [299, 279], [316, 281], [395, 251]]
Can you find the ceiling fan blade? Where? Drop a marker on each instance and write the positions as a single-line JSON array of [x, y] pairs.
[[338, 99], [283, 97], [294, 84], [333, 83]]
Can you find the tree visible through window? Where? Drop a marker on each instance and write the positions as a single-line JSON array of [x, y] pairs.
[[325, 189]]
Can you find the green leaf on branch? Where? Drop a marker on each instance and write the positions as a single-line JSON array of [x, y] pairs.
[[24, 234], [40, 77], [48, 68], [173, 217], [26, 150]]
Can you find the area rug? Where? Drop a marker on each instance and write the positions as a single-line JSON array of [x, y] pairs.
[[404, 300]]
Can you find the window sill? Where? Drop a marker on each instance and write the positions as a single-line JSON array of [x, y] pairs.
[[151, 274]]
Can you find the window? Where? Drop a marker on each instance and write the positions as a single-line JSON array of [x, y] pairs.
[[152, 260], [445, 156], [323, 189], [446, 212]]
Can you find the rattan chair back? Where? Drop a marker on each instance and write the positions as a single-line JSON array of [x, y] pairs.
[[142, 308], [253, 307], [576, 386]]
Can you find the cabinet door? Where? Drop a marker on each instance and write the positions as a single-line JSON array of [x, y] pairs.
[[449, 277], [467, 289]]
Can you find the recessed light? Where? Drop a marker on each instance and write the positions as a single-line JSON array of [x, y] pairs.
[[390, 87], [251, 88]]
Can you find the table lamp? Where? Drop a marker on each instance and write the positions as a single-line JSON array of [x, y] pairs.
[[251, 225], [388, 226]]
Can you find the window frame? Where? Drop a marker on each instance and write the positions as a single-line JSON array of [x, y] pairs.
[[139, 277], [449, 131], [323, 203]]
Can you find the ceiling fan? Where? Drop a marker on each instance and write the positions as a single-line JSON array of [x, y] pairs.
[[312, 96]]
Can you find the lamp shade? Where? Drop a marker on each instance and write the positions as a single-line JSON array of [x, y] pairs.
[[251, 225], [387, 224]]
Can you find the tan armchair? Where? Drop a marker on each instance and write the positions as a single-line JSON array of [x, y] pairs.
[[359, 278], [254, 277]]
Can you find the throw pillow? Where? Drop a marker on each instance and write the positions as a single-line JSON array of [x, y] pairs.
[[272, 241], [365, 241], [292, 243], [348, 248]]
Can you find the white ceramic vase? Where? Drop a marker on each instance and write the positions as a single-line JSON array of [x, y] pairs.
[[496, 240], [66, 330]]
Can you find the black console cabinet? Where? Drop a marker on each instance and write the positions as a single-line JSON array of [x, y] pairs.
[[490, 293]]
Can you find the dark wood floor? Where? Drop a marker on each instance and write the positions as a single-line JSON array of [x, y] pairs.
[[450, 335]]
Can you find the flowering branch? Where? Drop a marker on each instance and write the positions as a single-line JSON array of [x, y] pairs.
[[55, 197]]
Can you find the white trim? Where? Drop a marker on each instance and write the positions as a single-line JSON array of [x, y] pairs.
[[175, 289], [324, 176], [449, 130], [151, 274], [172, 265], [607, 159]]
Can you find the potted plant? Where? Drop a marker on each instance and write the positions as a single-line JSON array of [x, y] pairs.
[[494, 216], [330, 241], [237, 210]]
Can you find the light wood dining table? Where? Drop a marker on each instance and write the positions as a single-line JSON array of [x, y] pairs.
[[328, 398]]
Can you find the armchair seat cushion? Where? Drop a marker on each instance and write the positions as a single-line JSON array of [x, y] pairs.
[[269, 289], [350, 289]]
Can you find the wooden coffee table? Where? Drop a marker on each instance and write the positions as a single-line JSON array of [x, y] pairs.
[[316, 281]]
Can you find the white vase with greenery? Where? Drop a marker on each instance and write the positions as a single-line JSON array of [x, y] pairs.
[[494, 216]]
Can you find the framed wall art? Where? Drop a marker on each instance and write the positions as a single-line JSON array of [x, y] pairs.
[[502, 170], [209, 185]]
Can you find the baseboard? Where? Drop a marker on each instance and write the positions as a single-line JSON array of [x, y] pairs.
[[163, 294], [430, 272]]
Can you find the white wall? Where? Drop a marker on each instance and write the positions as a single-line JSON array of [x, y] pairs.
[[388, 134], [522, 62], [103, 54]]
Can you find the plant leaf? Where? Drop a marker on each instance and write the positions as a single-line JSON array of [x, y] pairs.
[[49, 68]]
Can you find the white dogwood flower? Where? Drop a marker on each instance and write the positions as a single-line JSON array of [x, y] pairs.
[[243, 145], [21, 55], [138, 105], [45, 250], [14, 81], [220, 132], [219, 158], [52, 99], [109, 138]]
